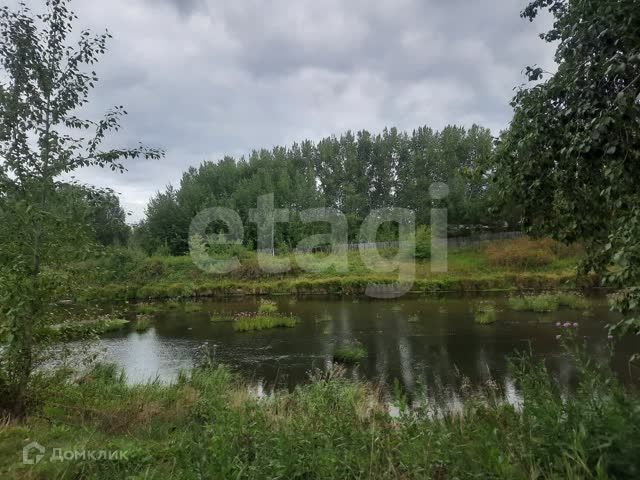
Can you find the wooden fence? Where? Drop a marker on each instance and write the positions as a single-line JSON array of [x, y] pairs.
[[454, 243]]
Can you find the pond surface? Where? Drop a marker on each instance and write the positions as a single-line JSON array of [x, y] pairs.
[[414, 342]]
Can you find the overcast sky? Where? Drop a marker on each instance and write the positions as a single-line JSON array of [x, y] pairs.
[[204, 78]]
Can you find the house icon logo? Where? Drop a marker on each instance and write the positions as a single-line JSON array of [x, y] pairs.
[[32, 453]]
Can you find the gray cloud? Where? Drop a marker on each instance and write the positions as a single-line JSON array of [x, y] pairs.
[[204, 78]]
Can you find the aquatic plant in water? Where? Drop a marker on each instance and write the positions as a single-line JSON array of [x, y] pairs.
[[143, 322], [267, 306], [485, 313], [84, 329], [548, 302], [192, 307], [221, 317], [147, 308], [350, 354], [248, 321]]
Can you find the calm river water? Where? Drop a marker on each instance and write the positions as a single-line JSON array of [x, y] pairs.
[[412, 342]]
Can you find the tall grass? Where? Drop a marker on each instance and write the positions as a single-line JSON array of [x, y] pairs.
[[192, 307], [548, 302], [350, 354], [534, 303], [249, 322], [221, 317], [143, 322], [572, 301], [208, 425], [524, 253], [267, 306], [485, 313], [147, 308], [82, 329], [131, 276]]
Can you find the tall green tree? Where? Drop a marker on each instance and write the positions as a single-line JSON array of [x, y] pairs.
[[571, 157], [46, 80], [101, 213], [352, 173]]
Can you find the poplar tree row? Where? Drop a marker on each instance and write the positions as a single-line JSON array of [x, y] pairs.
[[354, 173]]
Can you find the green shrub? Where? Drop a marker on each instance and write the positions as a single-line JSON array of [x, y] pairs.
[[423, 242], [151, 269], [162, 251], [118, 263]]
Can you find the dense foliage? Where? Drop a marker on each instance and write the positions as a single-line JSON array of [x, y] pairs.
[[104, 217], [128, 274], [353, 173], [571, 157], [46, 79]]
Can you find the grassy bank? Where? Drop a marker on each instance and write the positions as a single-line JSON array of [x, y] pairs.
[[207, 425], [508, 265]]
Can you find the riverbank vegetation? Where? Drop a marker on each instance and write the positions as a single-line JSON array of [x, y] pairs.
[[127, 274], [207, 424]]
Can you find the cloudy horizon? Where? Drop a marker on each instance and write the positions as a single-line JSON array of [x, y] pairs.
[[206, 78]]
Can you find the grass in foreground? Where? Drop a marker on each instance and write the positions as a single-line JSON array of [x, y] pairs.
[[249, 322], [207, 425], [350, 354]]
